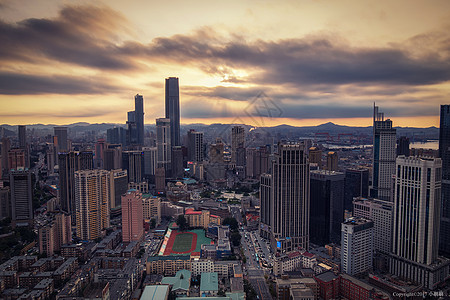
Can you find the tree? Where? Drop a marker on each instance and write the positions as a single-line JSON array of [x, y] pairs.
[[182, 223], [232, 223], [235, 238]]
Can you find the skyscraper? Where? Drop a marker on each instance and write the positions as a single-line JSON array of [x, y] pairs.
[[356, 185], [356, 245], [68, 164], [150, 161], [384, 153], [132, 135], [21, 197], [132, 216], [163, 144], [417, 204], [132, 161], [92, 203], [195, 146], [315, 156], [288, 198], [6, 146], [403, 146], [332, 161], [61, 136], [237, 141], [327, 206], [139, 118], [444, 154], [22, 136], [119, 186], [173, 109]]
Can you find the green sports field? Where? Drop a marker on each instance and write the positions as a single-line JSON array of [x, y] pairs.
[[183, 242]]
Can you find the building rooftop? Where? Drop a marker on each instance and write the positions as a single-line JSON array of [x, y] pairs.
[[209, 282], [327, 276], [155, 292], [181, 281]]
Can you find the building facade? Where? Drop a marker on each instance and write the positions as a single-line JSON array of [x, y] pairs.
[[417, 212], [444, 154], [92, 188], [384, 153], [173, 110], [327, 206], [356, 245], [21, 197], [288, 198], [132, 216]]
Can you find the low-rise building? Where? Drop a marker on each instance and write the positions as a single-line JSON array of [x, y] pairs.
[[209, 284]]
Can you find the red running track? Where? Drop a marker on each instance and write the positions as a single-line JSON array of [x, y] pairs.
[[171, 241]]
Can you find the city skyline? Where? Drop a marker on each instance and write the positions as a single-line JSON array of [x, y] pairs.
[[83, 63]]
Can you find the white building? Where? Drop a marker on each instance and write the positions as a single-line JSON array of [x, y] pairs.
[[417, 208], [356, 245], [380, 212]]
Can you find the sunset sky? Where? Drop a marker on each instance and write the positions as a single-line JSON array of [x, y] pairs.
[[63, 62]]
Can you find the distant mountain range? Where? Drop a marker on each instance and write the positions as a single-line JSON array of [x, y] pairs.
[[218, 129]]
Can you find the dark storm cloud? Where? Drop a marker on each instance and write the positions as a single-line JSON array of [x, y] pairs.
[[82, 35], [21, 84], [302, 61]]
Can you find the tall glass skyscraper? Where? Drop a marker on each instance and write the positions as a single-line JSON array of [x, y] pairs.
[[384, 153], [173, 109], [285, 198], [444, 154], [139, 118]]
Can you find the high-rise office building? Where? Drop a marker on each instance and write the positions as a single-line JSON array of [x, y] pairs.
[[68, 164], [132, 138], [266, 196], [139, 118], [61, 137], [327, 206], [21, 197], [403, 146], [92, 203], [444, 154], [22, 136], [163, 143], [119, 186], [315, 156], [6, 146], [99, 157], [237, 141], [16, 158], [332, 161], [150, 161], [415, 237], [384, 153], [195, 146], [356, 245], [112, 157], [177, 162], [132, 216], [173, 109], [381, 213], [216, 152], [288, 198], [116, 135], [133, 162], [356, 185]]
